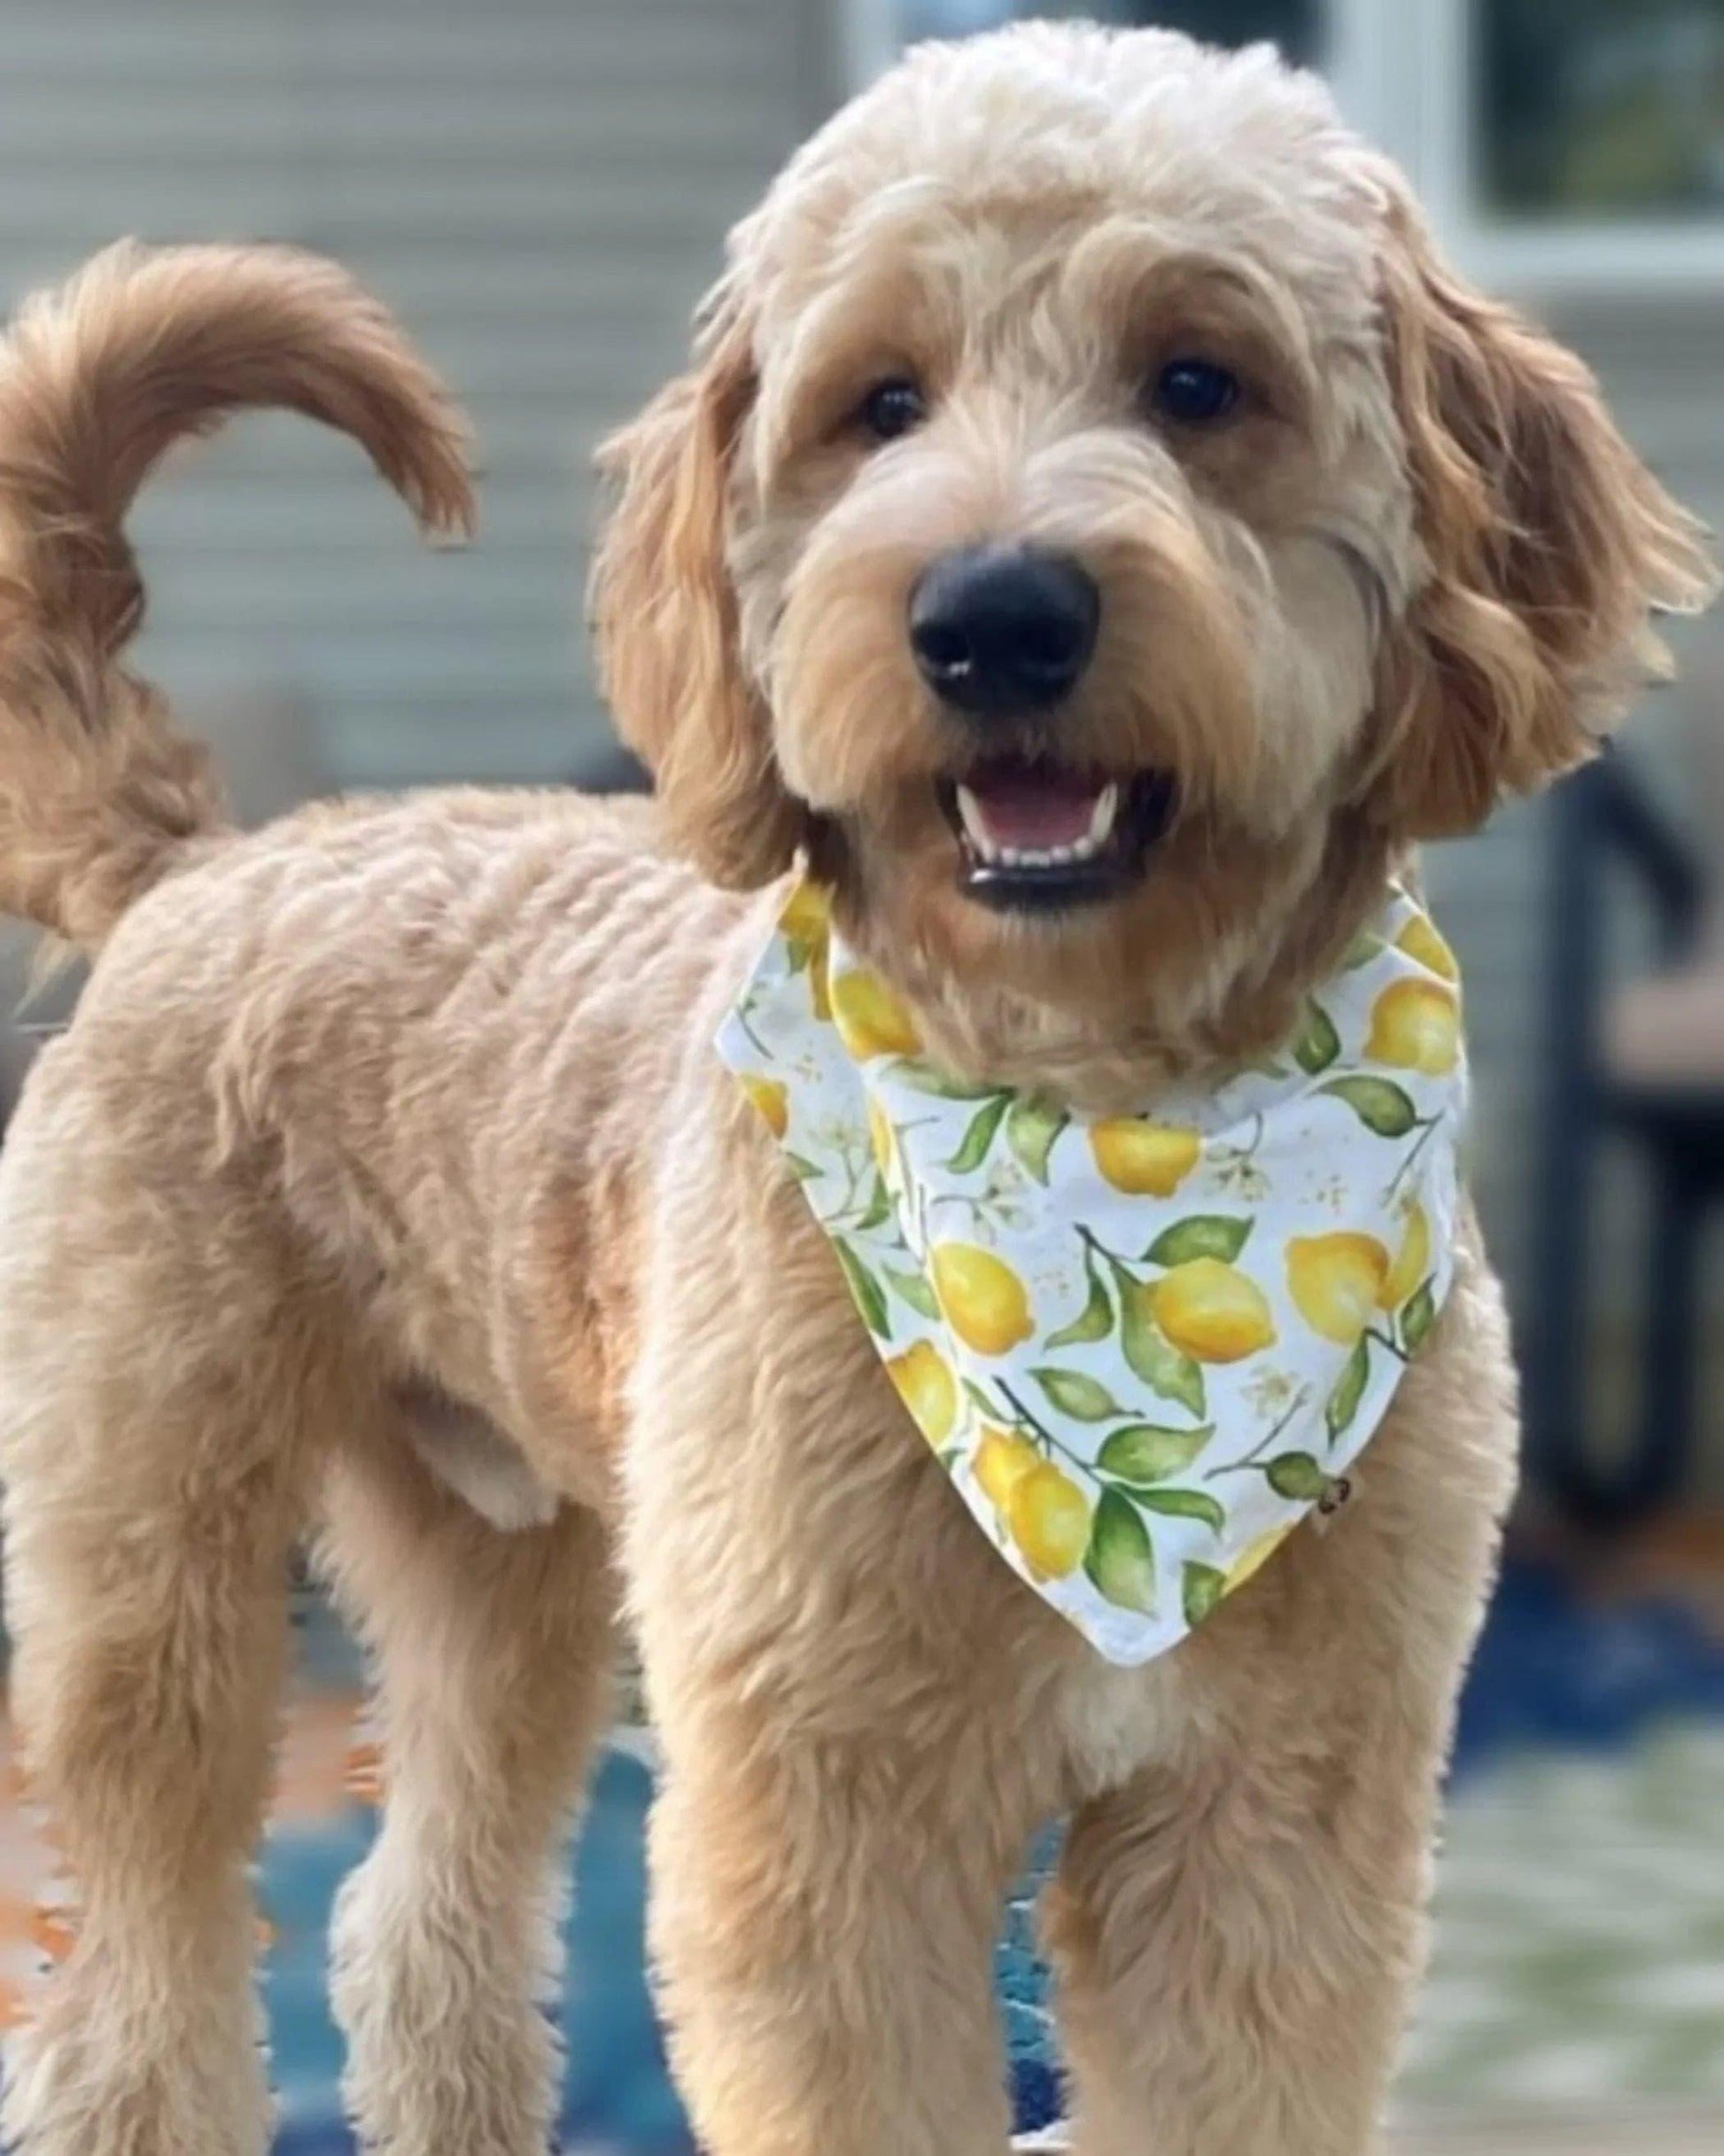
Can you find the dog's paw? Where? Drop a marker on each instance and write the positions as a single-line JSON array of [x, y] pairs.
[[76, 2085], [447, 2048]]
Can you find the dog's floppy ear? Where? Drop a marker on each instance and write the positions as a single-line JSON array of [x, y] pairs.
[[665, 617], [1548, 546]]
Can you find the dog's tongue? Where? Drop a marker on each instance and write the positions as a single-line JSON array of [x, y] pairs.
[[1032, 811]]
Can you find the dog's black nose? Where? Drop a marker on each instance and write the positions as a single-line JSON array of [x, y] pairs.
[[1002, 629]]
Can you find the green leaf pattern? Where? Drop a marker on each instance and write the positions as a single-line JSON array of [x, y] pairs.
[[1344, 1400], [1199, 1235], [1202, 1587], [1096, 1322], [1380, 1104], [1150, 1452], [1033, 1127], [983, 1128], [1120, 1557], [1316, 1044], [1073, 1394]]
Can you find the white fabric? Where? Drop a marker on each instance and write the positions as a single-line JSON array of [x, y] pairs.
[[1144, 1348]]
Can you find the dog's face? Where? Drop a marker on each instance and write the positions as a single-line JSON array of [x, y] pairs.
[[1102, 532]]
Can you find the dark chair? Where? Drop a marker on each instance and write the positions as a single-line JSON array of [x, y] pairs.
[[1663, 1095]]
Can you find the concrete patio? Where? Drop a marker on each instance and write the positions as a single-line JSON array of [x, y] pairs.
[[1635, 2134]]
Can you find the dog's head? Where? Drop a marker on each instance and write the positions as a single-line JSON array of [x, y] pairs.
[[1102, 531]]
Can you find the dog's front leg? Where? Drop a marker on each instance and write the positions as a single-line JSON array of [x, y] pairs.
[[1235, 1966], [824, 1943], [1239, 1928]]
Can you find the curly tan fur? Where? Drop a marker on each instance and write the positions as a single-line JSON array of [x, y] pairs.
[[664, 609], [389, 1140], [1549, 543], [99, 798]]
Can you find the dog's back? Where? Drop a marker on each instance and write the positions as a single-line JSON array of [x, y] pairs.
[[418, 1039]]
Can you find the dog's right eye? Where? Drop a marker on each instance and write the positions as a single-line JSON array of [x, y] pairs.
[[1194, 393], [893, 408]]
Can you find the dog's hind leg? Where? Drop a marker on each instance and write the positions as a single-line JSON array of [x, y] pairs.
[[149, 1454], [493, 1650]]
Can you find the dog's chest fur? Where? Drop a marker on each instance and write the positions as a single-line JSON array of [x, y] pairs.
[[1114, 1722]]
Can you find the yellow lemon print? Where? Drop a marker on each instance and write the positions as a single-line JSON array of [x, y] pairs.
[[1336, 1280], [1422, 939], [1145, 1159], [870, 1018], [880, 1137], [1256, 1555], [986, 1305], [1416, 1025], [1412, 1262], [769, 1096], [1212, 1312], [807, 917], [1049, 1517], [1001, 1460], [927, 1388], [806, 922]]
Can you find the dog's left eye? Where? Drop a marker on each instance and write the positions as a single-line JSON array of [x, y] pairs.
[[893, 408], [1194, 393]]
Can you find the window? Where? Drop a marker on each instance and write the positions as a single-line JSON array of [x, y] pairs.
[[1602, 108]]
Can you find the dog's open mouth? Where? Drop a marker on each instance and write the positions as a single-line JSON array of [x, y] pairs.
[[1041, 835]]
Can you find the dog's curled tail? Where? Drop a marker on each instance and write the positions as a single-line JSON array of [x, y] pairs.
[[99, 798]]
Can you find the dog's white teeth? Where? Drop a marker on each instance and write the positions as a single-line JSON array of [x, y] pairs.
[[1103, 815], [1041, 857], [986, 848], [976, 824]]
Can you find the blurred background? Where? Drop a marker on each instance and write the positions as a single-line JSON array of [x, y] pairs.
[[540, 187]]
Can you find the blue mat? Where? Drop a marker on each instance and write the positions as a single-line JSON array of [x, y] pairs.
[[1552, 1669]]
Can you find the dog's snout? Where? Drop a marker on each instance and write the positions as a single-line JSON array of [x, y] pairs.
[[1002, 629]]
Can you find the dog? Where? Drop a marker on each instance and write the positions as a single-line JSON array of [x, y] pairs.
[[387, 1183]]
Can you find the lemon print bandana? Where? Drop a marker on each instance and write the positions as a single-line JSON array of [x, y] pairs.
[[1144, 1347]]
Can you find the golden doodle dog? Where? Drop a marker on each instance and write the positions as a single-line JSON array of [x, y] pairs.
[[388, 1183]]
